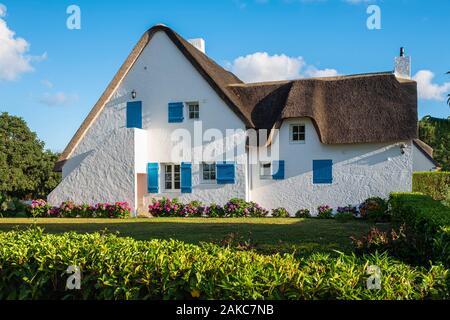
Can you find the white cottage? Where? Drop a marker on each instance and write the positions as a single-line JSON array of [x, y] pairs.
[[174, 123]]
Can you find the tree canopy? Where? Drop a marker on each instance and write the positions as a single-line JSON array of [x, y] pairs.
[[436, 133], [26, 168]]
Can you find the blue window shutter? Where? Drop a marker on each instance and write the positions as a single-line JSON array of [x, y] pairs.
[[134, 114], [322, 171], [279, 166], [152, 176], [186, 177], [176, 112], [225, 172]]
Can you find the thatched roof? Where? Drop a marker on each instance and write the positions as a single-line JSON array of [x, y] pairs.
[[426, 150], [346, 109]]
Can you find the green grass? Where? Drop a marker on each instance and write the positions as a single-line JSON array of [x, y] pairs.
[[266, 235]]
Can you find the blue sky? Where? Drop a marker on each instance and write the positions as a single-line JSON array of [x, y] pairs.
[[52, 76]]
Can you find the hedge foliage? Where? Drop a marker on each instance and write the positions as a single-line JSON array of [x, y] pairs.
[[434, 184], [436, 133], [428, 219], [419, 211], [33, 265]]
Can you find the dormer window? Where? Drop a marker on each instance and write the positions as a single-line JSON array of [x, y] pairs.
[[297, 133], [194, 110]]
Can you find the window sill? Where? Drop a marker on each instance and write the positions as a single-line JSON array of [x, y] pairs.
[[208, 183], [171, 191]]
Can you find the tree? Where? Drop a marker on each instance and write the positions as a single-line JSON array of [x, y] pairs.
[[448, 95], [436, 133], [26, 168]]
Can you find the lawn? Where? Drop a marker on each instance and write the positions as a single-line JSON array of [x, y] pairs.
[[266, 235]]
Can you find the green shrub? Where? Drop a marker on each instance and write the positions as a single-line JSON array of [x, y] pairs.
[[347, 213], [68, 209], [192, 209], [303, 213], [256, 211], [435, 184], [215, 211], [39, 208], [11, 207], [324, 212], [166, 208], [235, 208], [33, 266], [241, 208], [280, 213], [375, 209], [446, 201], [397, 242], [344, 216], [419, 211], [427, 219]]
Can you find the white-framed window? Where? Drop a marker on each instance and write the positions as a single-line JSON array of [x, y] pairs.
[[209, 172], [265, 170], [297, 133], [194, 110], [172, 176]]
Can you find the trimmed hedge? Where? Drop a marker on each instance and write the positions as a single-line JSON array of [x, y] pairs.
[[419, 211], [33, 266], [434, 184], [429, 221]]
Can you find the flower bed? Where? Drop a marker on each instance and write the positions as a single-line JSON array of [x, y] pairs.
[[234, 208], [237, 208], [41, 209]]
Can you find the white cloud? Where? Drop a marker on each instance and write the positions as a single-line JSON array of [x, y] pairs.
[[47, 83], [260, 66], [427, 89], [319, 73], [2, 10], [58, 99], [14, 59]]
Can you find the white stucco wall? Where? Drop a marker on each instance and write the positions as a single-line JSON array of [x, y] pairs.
[[359, 171], [101, 167], [421, 162], [161, 75], [106, 173]]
